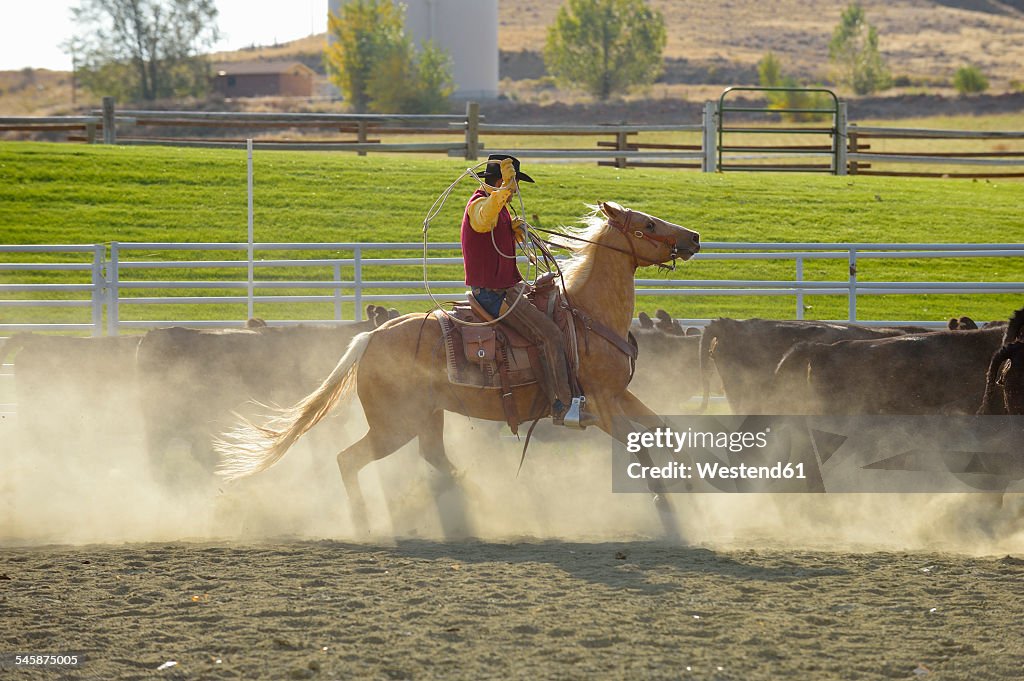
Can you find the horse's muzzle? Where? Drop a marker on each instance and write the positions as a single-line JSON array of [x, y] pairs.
[[687, 248]]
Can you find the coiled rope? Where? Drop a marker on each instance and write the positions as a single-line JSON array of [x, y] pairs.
[[537, 257]]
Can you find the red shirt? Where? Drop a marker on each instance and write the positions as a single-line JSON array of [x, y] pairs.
[[485, 267]]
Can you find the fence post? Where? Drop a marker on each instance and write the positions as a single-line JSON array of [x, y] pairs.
[[472, 130], [708, 163], [361, 135], [250, 255], [839, 139], [337, 292], [113, 292], [621, 144], [852, 295], [854, 146], [98, 289], [90, 132], [800, 289], [109, 131], [357, 276]]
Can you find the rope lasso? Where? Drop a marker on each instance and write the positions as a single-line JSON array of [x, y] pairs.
[[529, 247]]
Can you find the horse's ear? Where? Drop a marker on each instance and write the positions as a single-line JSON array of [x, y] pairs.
[[611, 209]]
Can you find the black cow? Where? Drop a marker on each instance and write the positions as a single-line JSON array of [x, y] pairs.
[[747, 352], [193, 381], [667, 367], [73, 394], [1004, 380], [921, 373]]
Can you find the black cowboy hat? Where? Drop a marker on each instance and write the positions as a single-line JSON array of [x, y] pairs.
[[494, 167]]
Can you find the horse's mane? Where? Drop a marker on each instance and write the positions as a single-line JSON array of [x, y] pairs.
[[577, 268]]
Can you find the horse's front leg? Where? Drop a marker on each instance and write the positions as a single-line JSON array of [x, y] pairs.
[[616, 415]]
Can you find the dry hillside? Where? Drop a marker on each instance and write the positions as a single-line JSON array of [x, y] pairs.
[[926, 40], [710, 45]]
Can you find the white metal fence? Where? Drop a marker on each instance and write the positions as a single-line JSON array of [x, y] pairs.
[[103, 282]]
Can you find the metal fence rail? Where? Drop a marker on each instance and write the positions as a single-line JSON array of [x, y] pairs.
[[88, 289], [117, 281]]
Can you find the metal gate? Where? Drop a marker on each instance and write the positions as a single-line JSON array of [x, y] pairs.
[[835, 149]]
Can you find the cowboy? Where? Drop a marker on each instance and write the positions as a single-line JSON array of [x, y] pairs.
[[489, 237]]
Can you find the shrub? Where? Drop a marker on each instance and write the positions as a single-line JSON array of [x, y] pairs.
[[969, 80]]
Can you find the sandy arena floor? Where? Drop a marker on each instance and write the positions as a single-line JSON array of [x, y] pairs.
[[564, 579]]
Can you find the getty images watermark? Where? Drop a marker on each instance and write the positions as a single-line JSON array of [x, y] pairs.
[[821, 454]]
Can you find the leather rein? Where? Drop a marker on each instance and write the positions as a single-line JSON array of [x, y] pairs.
[[589, 323], [626, 232]]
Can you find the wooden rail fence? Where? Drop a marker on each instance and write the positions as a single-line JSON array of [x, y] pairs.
[[696, 145]]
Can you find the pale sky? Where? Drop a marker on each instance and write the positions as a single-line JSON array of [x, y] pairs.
[[32, 30]]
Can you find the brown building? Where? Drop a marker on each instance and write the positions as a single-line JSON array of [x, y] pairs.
[[263, 79]]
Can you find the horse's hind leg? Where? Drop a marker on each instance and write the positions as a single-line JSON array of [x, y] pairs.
[[376, 444], [432, 446], [448, 492]]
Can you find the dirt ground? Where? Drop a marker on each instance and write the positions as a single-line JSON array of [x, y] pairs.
[[470, 610], [544, 575]]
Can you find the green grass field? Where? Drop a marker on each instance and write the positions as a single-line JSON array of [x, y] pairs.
[[65, 194]]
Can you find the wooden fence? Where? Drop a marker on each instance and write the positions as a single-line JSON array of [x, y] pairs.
[[470, 136]]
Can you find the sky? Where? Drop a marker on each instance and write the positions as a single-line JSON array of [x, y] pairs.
[[32, 30]]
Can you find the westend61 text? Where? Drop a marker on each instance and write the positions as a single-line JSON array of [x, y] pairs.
[[716, 471], [670, 439]]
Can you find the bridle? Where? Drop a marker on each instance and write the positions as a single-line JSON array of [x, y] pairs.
[[629, 232]]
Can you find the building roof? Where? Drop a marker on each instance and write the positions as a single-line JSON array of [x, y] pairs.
[[247, 68]]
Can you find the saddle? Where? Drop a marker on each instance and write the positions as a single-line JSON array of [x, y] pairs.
[[497, 356]]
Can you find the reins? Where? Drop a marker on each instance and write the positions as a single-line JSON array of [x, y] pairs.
[[631, 252]]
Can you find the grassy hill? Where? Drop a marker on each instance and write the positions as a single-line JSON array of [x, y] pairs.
[[52, 193]]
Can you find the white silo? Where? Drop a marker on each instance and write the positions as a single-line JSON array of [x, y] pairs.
[[466, 29]]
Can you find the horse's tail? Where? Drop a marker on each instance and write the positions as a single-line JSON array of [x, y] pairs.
[[250, 448]]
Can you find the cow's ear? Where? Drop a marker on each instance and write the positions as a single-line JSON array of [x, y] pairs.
[[612, 210]]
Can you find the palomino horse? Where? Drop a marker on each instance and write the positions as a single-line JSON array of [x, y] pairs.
[[403, 384]]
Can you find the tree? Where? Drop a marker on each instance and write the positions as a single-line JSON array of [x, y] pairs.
[[376, 66], [144, 49], [854, 51], [769, 71], [605, 46], [769, 74]]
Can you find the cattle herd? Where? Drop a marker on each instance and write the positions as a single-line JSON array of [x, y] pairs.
[[185, 386]]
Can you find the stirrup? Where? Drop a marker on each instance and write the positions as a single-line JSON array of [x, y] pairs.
[[573, 415]]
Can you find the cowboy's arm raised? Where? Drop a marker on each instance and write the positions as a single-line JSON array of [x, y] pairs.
[[483, 212]]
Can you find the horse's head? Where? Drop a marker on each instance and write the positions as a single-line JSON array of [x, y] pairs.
[[651, 240]]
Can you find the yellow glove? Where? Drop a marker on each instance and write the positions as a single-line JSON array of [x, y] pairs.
[[508, 172], [519, 229]]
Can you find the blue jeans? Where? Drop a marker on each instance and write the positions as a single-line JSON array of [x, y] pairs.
[[490, 300]]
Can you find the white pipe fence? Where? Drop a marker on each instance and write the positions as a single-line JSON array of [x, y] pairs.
[[108, 284]]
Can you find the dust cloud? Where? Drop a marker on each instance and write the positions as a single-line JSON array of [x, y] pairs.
[[84, 476]]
